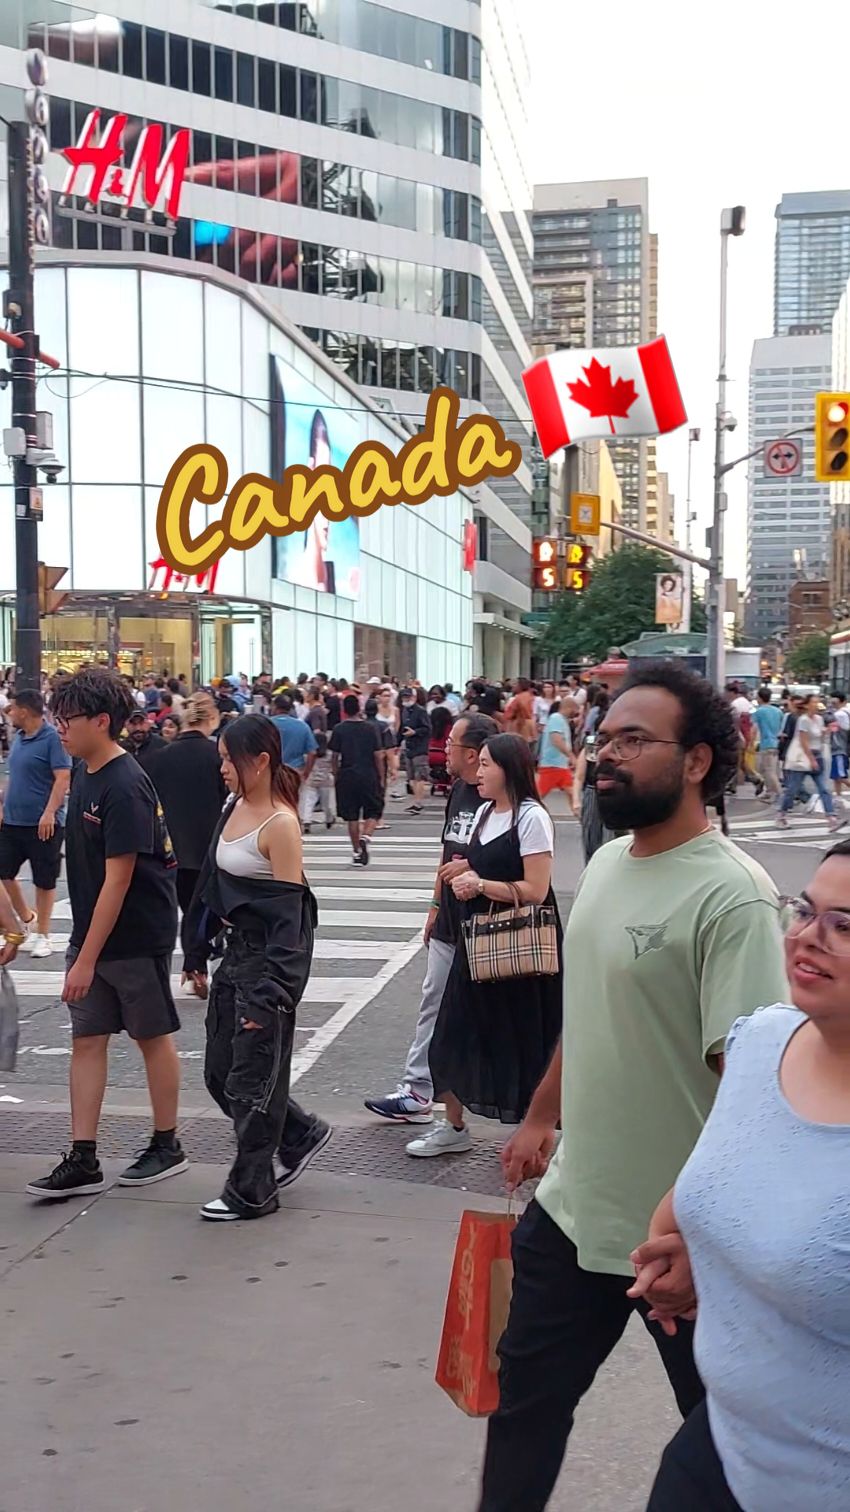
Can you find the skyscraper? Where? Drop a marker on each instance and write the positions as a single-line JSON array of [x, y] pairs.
[[788, 519], [812, 260], [594, 286]]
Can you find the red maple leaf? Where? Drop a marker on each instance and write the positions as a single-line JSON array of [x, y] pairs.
[[599, 396]]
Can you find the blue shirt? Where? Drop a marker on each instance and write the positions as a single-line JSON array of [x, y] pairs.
[[764, 1207], [33, 760], [296, 739], [768, 720], [550, 756]]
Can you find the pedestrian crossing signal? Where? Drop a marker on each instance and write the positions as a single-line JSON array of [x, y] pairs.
[[832, 438], [577, 554], [546, 577]]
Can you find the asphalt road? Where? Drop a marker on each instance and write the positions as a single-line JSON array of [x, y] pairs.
[[360, 1009]]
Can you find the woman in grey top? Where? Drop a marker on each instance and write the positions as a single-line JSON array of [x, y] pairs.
[[763, 1206]]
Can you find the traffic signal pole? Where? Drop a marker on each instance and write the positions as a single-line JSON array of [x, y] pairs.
[[20, 309]]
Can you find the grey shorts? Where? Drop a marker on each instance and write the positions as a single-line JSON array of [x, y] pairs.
[[131, 995], [418, 769]]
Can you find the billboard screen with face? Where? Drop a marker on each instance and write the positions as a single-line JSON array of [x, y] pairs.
[[306, 428]]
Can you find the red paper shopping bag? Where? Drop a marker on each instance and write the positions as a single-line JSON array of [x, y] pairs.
[[476, 1312]]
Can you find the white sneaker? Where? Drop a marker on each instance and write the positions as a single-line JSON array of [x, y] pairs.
[[29, 934], [39, 947], [443, 1139]]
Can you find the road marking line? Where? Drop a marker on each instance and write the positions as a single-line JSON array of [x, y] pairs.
[[319, 989], [323, 949], [367, 988], [338, 894]]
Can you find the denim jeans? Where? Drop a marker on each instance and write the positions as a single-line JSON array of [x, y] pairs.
[[563, 1324], [247, 1073], [794, 781]]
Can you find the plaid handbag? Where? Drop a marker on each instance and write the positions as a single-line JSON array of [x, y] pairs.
[[520, 941]]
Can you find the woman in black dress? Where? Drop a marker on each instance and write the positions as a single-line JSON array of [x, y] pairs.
[[494, 1040]]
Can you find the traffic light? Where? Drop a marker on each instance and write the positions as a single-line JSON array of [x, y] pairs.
[[832, 434], [577, 575], [544, 553]]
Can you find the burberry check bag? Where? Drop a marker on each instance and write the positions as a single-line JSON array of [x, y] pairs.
[[519, 941]]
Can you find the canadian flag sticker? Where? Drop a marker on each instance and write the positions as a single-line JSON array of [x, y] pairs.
[[612, 391]]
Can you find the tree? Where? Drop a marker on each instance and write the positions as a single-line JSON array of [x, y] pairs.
[[809, 660], [617, 606]]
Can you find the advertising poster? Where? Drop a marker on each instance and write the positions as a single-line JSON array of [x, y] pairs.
[[307, 429], [669, 598]]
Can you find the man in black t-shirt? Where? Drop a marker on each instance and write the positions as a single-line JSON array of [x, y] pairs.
[[358, 756], [412, 1102], [121, 880]]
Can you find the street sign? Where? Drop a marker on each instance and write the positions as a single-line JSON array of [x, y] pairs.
[[584, 514], [783, 458]]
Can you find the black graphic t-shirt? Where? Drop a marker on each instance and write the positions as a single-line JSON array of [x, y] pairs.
[[464, 803], [116, 812]]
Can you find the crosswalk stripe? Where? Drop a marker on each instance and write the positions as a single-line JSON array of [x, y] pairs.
[[319, 989], [323, 949], [356, 918], [336, 893]]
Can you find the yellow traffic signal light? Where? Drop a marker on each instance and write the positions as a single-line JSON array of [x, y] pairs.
[[49, 601], [576, 579], [577, 554], [832, 435]]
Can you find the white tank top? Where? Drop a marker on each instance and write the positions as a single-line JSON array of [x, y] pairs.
[[242, 857]]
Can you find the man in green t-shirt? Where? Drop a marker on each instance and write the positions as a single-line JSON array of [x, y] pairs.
[[673, 935]]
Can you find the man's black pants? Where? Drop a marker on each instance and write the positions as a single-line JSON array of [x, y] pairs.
[[691, 1475], [247, 1072], [563, 1324]]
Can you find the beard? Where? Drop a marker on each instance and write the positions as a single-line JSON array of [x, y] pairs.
[[625, 807]]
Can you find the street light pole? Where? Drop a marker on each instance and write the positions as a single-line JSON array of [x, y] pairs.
[[685, 626], [731, 224]]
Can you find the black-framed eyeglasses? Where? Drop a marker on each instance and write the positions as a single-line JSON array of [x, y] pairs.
[[62, 725], [628, 747], [832, 926]]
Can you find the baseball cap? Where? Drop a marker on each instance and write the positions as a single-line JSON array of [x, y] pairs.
[[374, 682], [137, 714], [407, 693]]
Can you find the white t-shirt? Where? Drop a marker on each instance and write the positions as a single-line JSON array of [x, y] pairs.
[[580, 696], [535, 829], [742, 705], [541, 709]]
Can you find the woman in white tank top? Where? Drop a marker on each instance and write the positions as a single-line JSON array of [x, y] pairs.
[[254, 993]]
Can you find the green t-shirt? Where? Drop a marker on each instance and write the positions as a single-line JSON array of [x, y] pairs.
[[661, 955]]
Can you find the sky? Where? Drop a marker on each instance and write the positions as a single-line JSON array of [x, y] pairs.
[[715, 104]]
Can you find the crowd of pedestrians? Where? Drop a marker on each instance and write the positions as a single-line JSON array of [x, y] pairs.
[[684, 1105]]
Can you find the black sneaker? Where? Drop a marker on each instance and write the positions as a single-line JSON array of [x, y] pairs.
[[73, 1177], [294, 1162], [154, 1164], [364, 853]]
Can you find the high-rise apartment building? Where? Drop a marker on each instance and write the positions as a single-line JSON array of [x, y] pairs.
[[357, 168], [788, 519], [812, 260], [595, 285]]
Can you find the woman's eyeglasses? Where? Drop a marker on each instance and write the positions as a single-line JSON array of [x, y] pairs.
[[832, 926]]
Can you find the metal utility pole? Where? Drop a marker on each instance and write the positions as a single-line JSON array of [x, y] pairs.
[[685, 626], [20, 309], [731, 224], [29, 222]]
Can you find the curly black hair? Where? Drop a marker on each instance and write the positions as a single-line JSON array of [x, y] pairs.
[[707, 718], [93, 691]]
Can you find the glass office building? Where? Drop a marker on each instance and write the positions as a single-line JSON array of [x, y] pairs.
[[593, 284], [812, 260], [362, 167]]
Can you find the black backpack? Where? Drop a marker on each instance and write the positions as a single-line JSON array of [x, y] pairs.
[[786, 734]]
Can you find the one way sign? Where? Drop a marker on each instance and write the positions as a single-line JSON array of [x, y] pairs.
[[783, 459]]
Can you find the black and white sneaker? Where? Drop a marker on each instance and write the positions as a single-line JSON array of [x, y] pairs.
[[73, 1177], [219, 1211], [364, 852], [293, 1163], [155, 1164]]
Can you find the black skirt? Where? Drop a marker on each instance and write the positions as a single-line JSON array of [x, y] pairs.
[[493, 1041]]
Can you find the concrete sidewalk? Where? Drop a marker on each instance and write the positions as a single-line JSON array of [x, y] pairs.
[[154, 1363]]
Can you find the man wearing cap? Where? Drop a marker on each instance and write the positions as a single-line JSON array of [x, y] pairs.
[[143, 741]]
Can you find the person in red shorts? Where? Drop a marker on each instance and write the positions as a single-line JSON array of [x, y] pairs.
[[554, 768]]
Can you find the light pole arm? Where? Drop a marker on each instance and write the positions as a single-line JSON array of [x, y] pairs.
[[648, 540], [803, 430]]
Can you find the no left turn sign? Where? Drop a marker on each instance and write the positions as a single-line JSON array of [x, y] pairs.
[[783, 459]]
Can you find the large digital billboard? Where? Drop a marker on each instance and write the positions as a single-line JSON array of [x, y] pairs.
[[306, 428]]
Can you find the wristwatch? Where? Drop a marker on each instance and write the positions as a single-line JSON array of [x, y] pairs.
[[480, 885]]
